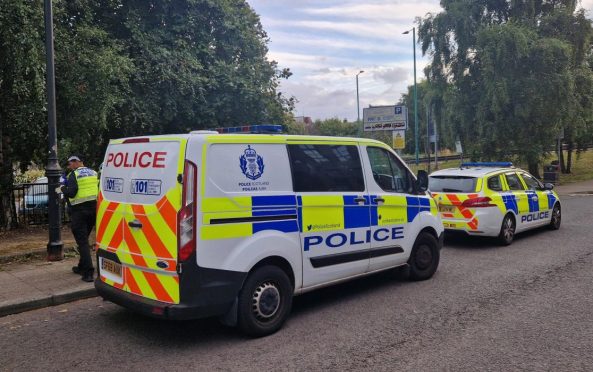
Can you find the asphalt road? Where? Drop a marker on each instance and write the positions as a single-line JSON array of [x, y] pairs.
[[528, 306]]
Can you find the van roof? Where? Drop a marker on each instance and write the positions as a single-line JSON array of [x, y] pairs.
[[262, 138]]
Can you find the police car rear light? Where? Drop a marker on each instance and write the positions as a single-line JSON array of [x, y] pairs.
[[480, 202], [137, 140], [186, 217]]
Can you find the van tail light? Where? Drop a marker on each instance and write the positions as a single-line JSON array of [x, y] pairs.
[[480, 202], [186, 229]]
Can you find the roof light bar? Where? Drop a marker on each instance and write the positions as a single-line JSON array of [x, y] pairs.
[[501, 164], [252, 129]]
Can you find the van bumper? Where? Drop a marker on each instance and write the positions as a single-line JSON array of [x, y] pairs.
[[213, 297]]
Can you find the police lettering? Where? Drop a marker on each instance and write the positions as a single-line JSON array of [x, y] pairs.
[[340, 239], [535, 216], [144, 159]]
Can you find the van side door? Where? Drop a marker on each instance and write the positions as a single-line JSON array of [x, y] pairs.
[[333, 210], [394, 207]]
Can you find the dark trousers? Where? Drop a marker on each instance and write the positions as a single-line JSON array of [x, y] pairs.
[[83, 221]]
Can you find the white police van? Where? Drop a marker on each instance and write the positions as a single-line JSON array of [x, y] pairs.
[[234, 225]]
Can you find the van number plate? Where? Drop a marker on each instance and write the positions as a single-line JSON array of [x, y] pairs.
[[113, 185], [111, 270], [446, 208], [146, 187]]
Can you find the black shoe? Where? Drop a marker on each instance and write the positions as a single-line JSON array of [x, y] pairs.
[[76, 270], [88, 276]]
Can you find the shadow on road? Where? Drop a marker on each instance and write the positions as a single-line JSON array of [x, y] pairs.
[[209, 332], [462, 241]]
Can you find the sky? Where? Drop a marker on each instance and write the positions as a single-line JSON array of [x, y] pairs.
[[325, 43]]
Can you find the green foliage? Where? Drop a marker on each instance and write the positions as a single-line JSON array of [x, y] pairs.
[[335, 127], [507, 75]]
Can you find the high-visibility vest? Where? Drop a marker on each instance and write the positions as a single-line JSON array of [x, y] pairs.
[[87, 181]]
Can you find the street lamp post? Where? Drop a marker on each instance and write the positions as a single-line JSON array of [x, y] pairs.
[[52, 170], [358, 100], [415, 94]]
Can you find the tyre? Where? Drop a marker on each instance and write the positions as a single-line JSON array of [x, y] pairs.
[[264, 301], [425, 256], [507, 230], [556, 217]]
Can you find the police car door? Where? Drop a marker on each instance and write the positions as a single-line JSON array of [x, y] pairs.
[[517, 191], [393, 208], [537, 197], [333, 210]]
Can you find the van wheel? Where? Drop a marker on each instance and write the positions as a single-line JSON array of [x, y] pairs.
[[556, 217], [264, 301], [425, 256], [507, 230]]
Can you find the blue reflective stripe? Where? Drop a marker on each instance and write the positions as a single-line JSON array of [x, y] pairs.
[[273, 201], [533, 204], [283, 226], [355, 215], [413, 207], [551, 200], [510, 203]]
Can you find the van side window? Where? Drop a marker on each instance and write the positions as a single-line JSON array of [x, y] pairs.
[[513, 181], [320, 168], [494, 183], [388, 172]]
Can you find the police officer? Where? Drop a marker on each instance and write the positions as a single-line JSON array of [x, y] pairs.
[[81, 189]]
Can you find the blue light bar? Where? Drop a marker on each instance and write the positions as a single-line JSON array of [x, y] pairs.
[[252, 129], [499, 164]]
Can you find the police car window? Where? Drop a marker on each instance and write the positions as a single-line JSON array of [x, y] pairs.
[[513, 182], [452, 183], [532, 183], [388, 172], [318, 168], [494, 183]]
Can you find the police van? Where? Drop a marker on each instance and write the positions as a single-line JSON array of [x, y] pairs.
[[234, 225], [494, 199]]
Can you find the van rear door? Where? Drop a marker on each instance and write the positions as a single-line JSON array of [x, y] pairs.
[[139, 200]]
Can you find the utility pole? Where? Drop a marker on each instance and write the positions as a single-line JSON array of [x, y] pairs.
[[52, 170], [358, 104], [415, 94]]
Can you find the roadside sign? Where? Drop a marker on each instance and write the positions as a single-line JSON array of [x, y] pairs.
[[458, 148], [399, 139], [385, 118]]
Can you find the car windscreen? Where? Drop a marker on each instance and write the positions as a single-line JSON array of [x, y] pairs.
[[452, 184]]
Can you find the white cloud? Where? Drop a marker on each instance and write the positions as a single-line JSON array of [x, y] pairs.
[[388, 10]]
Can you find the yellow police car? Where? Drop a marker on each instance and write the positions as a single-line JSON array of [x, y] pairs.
[[494, 199]]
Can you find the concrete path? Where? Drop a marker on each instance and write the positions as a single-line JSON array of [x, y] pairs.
[[583, 187], [33, 285]]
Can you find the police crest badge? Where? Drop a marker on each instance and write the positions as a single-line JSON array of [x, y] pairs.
[[252, 165]]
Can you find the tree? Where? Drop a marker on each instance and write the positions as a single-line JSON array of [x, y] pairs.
[[505, 74]]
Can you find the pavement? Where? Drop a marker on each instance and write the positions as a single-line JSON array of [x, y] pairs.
[[32, 285]]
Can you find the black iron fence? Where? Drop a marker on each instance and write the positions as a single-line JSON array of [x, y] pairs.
[[31, 204]]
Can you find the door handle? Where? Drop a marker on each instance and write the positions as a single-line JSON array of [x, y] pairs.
[[136, 224], [360, 200], [379, 200], [534, 198]]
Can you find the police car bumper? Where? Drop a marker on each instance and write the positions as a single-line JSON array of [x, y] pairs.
[[212, 295], [488, 220]]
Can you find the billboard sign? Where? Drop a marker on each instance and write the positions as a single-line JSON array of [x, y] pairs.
[[385, 118]]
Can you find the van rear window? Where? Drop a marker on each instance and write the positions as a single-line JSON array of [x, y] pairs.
[[452, 184]]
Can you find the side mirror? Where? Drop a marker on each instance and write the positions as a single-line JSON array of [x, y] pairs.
[[548, 186], [422, 181]]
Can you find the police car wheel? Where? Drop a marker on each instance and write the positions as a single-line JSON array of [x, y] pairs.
[[265, 301], [507, 230], [425, 256], [556, 217]]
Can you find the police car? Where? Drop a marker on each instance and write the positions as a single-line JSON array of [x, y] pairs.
[[234, 225], [494, 199]]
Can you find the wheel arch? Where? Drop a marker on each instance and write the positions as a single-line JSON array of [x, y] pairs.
[[280, 262]]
